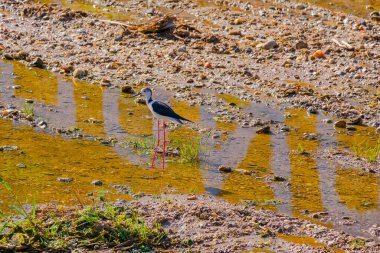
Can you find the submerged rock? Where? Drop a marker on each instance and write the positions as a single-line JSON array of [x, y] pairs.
[[340, 124], [97, 183], [127, 89], [65, 179], [226, 169], [38, 63], [263, 130]]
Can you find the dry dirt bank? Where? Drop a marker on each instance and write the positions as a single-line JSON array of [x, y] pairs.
[[257, 52]]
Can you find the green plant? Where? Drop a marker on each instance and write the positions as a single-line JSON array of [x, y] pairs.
[[141, 145], [190, 150], [357, 243], [91, 228], [34, 229], [365, 150], [28, 109]]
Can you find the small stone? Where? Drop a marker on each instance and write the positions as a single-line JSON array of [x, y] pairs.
[[65, 179], [268, 45], [67, 68], [279, 179], [312, 110], [301, 6], [356, 121], [42, 124], [9, 148], [192, 197], [301, 44], [140, 101], [215, 136], [284, 129], [79, 73], [97, 183], [263, 130], [127, 89], [340, 124], [21, 165], [38, 63], [226, 169], [182, 49]]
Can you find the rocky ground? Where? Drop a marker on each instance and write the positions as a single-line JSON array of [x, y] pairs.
[[202, 223], [213, 225], [281, 51]]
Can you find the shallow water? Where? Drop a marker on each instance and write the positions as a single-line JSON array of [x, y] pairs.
[[312, 185]]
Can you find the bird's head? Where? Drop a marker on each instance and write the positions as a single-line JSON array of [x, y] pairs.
[[147, 92]]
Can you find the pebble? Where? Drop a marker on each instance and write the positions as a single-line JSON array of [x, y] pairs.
[[9, 148], [301, 44], [301, 6], [263, 130], [38, 63], [97, 183], [65, 179], [340, 124], [270, 44], [21, 165], [284, 129], [42, 124], [312, 110], [67, 68], [226, 169], [79, 73], [192, 197], [127, 89]]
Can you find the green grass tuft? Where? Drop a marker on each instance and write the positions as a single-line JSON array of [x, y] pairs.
[[363, 149], [28, 109], [190, 150], [92, 228]]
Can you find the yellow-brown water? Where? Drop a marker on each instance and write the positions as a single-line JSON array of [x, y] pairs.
[[360, 8], [97, 112]]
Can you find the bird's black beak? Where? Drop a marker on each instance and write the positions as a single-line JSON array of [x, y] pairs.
[[138, 94]]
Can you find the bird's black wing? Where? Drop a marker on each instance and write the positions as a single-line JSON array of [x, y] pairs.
[[165, 110]]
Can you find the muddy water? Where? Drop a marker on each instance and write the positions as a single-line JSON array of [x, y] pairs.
[[312, 184], [359, 8]]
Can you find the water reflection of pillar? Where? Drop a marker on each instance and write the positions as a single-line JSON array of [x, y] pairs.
[[257, 159], [63, 114], [134, 118], [37, 84], [89, 108], [304, 178]]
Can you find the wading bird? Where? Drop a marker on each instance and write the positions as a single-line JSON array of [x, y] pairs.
[[162, 111]]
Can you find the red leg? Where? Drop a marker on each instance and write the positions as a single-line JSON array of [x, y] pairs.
[[164, 151], [157, 144]]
